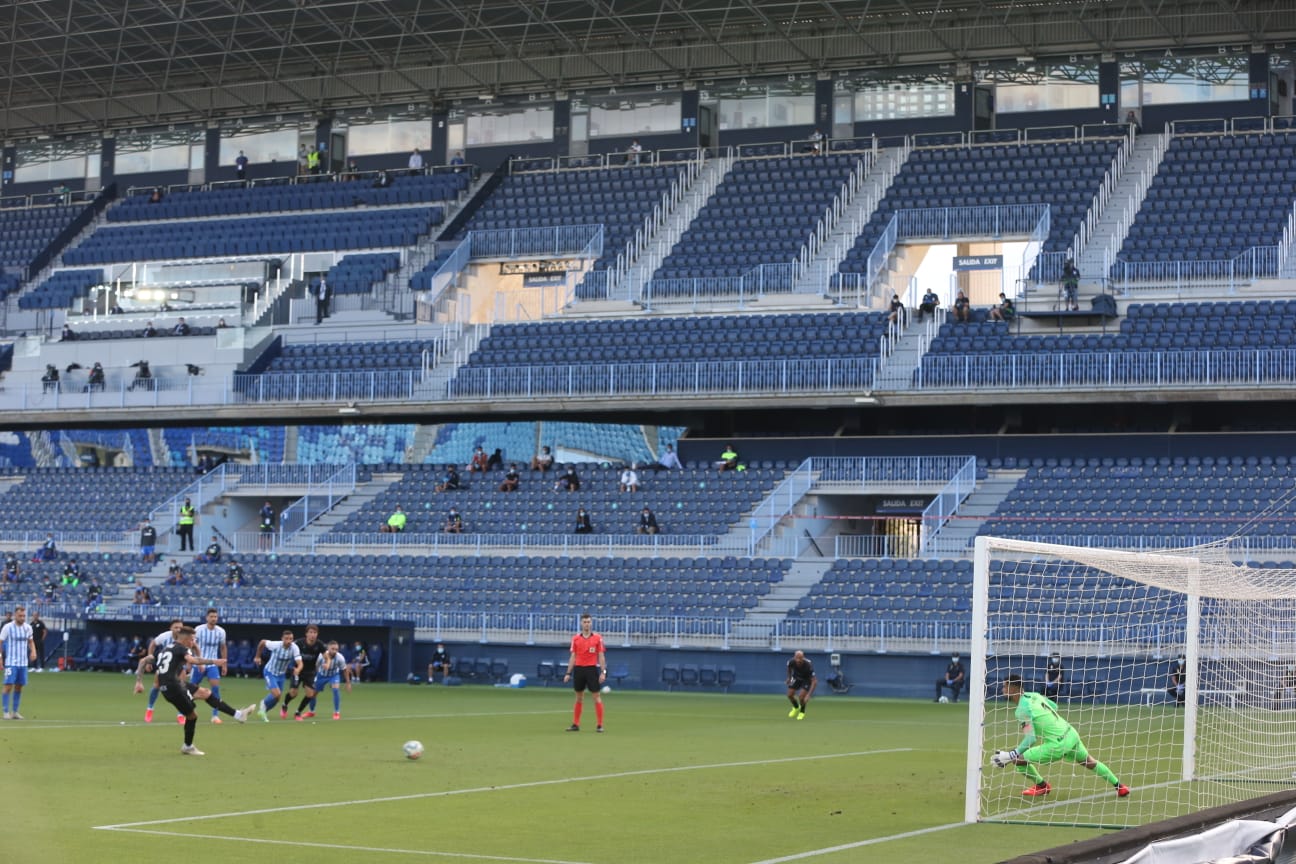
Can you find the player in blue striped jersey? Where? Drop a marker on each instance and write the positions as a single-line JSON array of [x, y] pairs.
[[284, 655], [330, 671], [18, 648], [210, 639], [163, 640]]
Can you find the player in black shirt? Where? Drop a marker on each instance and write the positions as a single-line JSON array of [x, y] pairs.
[[801, 683], [311, 649], [173, 663]]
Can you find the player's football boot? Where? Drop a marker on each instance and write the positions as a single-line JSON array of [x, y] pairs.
[[308, 714], [283, 713], [793, 712], [244, 714], [148, 716], [598, 728], [337, 715], [1035, 791], [1122, 790], [217, 720], [800, 715], [16, 716], [180, 719], [573, 728], [190, 750], [298, 718]]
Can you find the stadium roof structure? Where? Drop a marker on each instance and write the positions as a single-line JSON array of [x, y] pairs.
[[87, 65]]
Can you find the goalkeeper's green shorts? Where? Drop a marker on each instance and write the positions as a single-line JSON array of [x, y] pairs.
[[1068, 747]]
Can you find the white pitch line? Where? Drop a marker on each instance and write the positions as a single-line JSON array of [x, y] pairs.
[[424, 852], [502, 788], [814, 853]]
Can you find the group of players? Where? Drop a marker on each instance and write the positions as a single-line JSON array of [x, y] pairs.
[[188, 663]]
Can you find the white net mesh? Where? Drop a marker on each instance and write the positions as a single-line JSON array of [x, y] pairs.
[[1219, 732]]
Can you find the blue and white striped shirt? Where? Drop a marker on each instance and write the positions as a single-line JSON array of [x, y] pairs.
[[162, 640], [210, 641], [16, 641], [336, 664], [281, 657]]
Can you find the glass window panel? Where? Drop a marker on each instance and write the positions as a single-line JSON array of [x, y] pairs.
[[1051, 95], [260, 145], [1172, 80], [39, 161], [634, 114], [900, 100], [143, 152], [485, 127]]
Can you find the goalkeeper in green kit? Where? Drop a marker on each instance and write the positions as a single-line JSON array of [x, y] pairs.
[[1046, 738]]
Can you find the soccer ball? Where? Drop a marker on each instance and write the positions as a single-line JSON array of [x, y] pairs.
[[606, 689], [413, 749], [944, 700]]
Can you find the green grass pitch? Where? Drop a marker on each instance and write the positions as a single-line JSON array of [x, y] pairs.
[[677, 778]]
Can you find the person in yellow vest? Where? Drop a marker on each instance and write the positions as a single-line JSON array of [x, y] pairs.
[[395, 522], [188, 516], [313, 161], [728, 459]]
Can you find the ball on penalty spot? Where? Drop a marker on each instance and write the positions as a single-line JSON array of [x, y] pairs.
[[944, 700], [606, 689], [413, 749]]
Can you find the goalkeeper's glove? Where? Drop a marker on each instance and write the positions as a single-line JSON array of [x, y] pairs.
[[1004, 758]]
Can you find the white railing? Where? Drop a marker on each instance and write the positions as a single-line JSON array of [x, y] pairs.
[[1287, 247], [885, 471], [779, 503], [1257, 262], [862, 212], [842, 202], [534, 242], [1135, 201], [946, 503], [322, 497], [1031, 252], [1098, 206], [516, 543]]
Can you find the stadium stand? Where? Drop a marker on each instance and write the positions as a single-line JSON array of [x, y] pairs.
[[61, 289], [1064, 175], [263, 444], [1215, 196], [358, 229], [274, 198], [761, 213], [897, 589], [351, 356], [455, 442], [26, 231], [356, 274], [86, 499], [371, 445]]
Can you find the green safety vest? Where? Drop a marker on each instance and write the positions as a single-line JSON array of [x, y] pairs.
[[187, 514]]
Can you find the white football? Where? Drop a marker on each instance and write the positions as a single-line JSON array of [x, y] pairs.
[[607, 688], [413, 749], [944, 700]]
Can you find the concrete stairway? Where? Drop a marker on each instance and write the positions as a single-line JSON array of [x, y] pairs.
[[363, 494], [1114, 224], [955, 539], [897, 369], [759, 623]]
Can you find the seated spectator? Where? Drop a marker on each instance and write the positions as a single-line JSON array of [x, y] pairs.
[[48, 551], [116, 309], [951, 680], [71, 574], [50, 380], [647, 522], [728, 459], [49, 588], [156, 197], [149, 330], [383, 181], [479, 461], [221, 325], [962, 308], [440, 662], [212, 553], [897, 315], [630, 479], [454, 522], [68, 335], [143, 597], [181, 328], [512, 479], [234, 575], [496, 460], [395, 522], [138, 648], [94, 594], [359, 661], [12, 570], [96, 380], [669, 461], [1005, 311], [928, 305], [583, 525], [449, 480], [568, 481], [175, 576], [543, 460]]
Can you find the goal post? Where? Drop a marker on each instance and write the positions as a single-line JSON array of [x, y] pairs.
[[1118, 623]]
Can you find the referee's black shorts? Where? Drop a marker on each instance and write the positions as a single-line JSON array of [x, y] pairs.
[[179, 696], [585, 678]]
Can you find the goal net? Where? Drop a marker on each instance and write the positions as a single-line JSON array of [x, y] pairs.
[[1119, 624]]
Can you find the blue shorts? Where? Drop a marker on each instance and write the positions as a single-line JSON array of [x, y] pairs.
[[273, 682], [16, 675], [321, 683], [212, 672], [146, 550]]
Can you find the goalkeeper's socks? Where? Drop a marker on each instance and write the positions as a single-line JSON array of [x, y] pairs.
[[1106, 773]]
